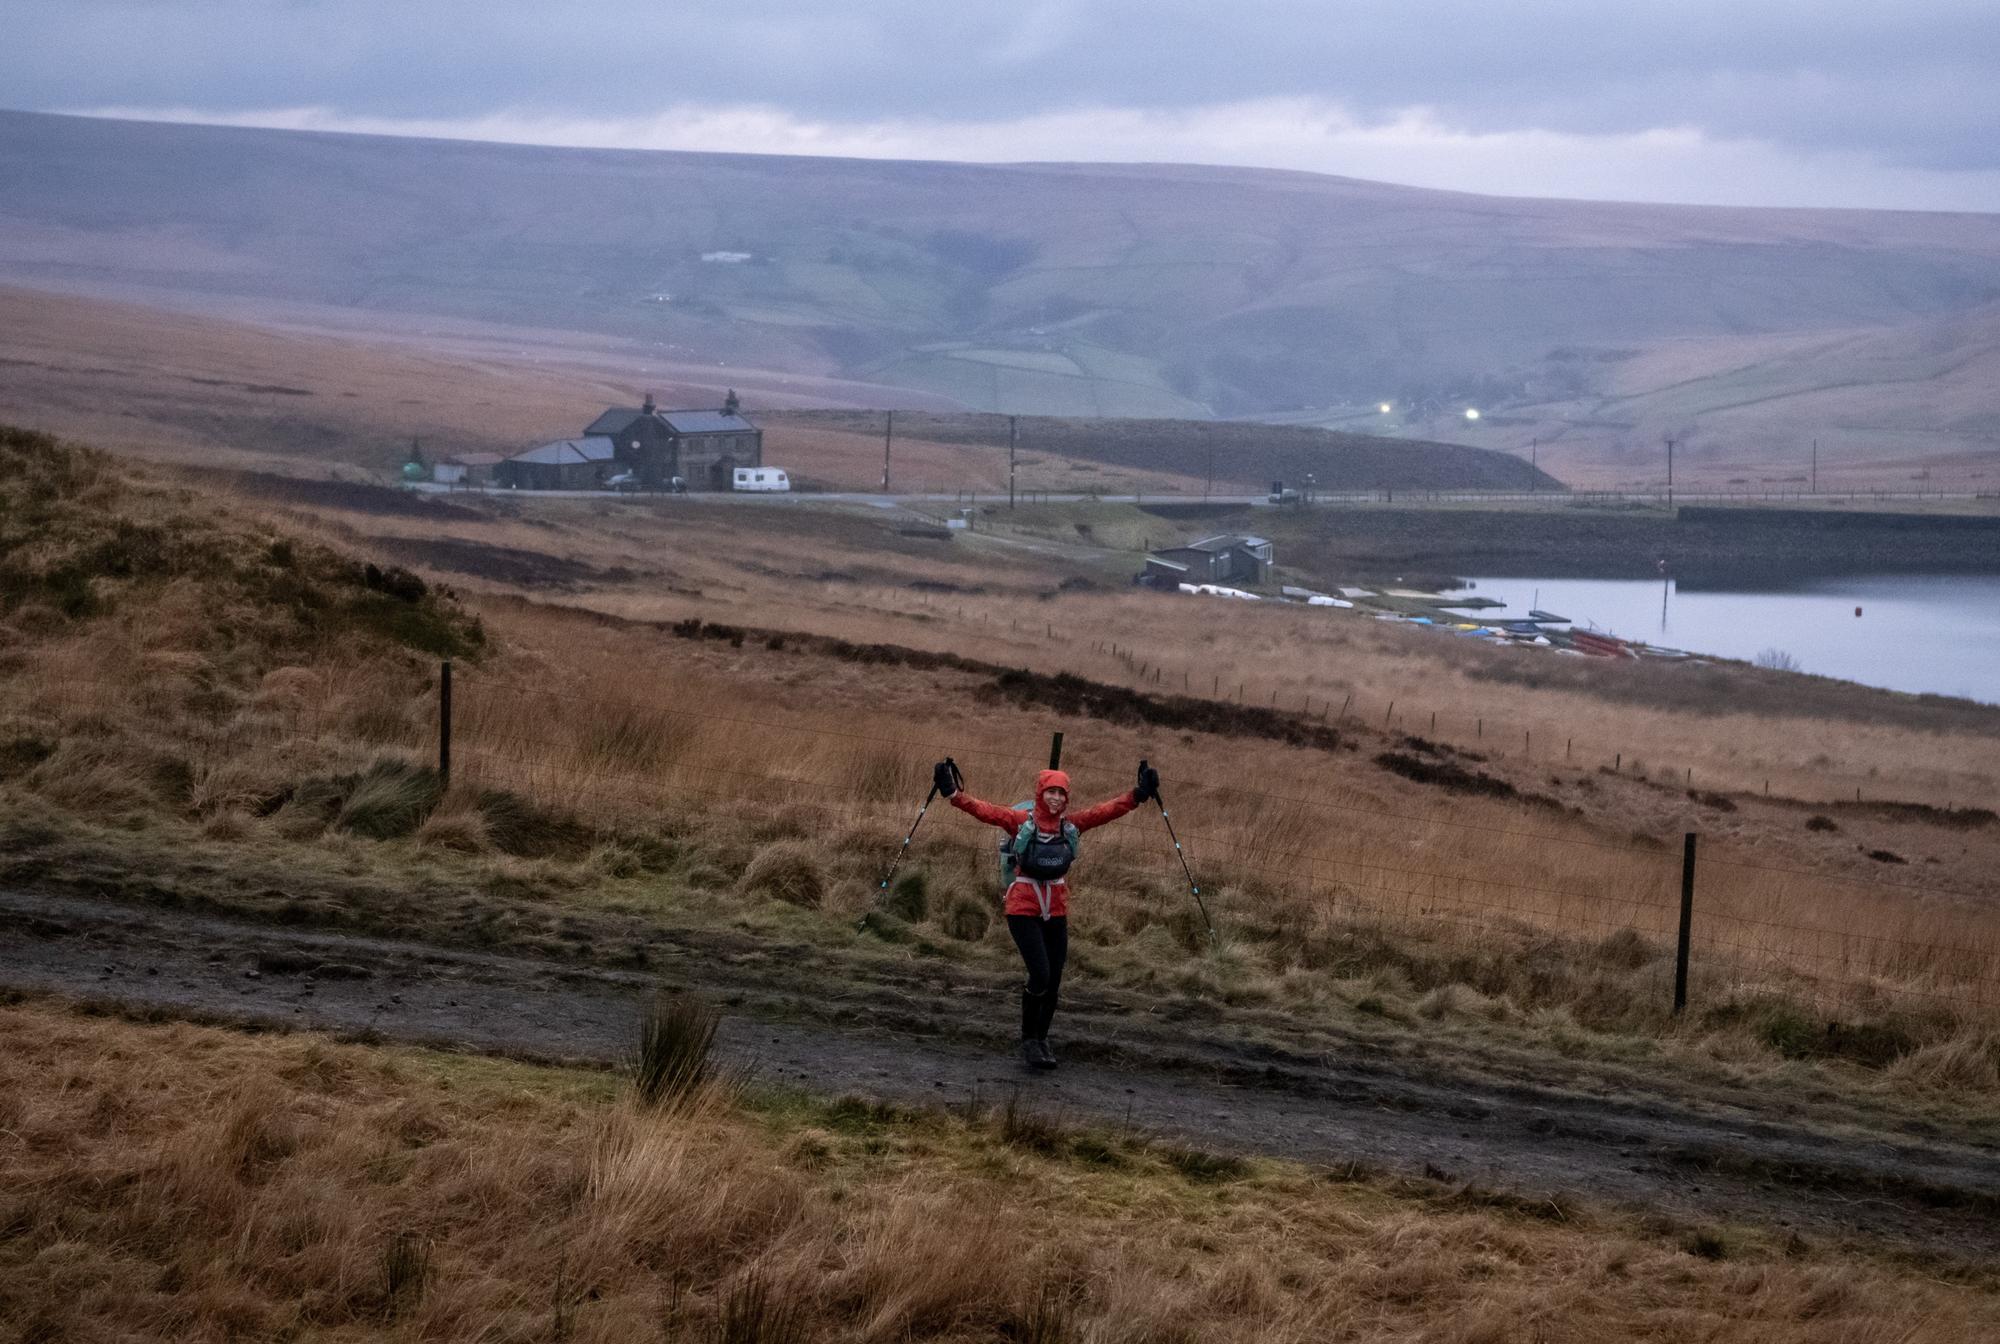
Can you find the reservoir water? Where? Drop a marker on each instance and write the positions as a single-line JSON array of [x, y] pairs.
[[1924, 632]]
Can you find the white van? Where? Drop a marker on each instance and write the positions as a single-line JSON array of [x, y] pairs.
[[761, 478]]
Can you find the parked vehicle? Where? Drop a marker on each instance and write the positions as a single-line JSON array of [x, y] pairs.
[[760, 478]]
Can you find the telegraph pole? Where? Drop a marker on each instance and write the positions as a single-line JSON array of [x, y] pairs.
[[888, 433], [1815, 469], [1534, 465], [1670, 471], [1010, 461]]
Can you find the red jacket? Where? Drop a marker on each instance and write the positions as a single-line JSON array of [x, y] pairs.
[[1027, 896]]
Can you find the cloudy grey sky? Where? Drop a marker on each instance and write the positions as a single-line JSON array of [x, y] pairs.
[[1784, 102]]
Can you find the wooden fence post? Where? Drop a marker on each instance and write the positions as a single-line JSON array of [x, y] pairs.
[[444, 725], [1687, 925]]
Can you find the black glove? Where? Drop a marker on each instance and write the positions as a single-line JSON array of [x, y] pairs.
[[945, 776], [1149, 783]]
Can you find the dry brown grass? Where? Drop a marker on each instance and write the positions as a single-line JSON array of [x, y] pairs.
[[1293, 847], [195, 1184], [849, 574], [790, 775], [1330, 893], [769, 568]]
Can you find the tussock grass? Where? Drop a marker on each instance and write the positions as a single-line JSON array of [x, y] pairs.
[[406, 1272], [758, 1311], [391, 799], [1366, 854], [909, 897], [264, 1187], [967, 919], [788, 871], [676, 1037], [211, 671], [81, 541]]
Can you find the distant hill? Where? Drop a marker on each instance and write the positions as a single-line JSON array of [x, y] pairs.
[[1899, 405], [1068, 290]]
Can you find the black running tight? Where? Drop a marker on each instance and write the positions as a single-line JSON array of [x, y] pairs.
[[1044, 945]]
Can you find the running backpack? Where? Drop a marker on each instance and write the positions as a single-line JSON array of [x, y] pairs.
[[1026, 854]]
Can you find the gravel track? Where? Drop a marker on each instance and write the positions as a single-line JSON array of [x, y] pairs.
[[1693, 1159]]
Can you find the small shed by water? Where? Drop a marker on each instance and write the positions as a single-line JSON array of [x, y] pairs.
[[1220, 559]]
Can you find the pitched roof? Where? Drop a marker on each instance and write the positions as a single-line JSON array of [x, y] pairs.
[[1215, 545], [595, 448], [705, 422], [614, 420], [619, 419], [474, 459]]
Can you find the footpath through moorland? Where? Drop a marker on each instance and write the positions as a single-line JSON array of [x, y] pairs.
[[925, 1041]]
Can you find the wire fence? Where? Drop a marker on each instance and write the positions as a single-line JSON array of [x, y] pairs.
[[1480, 735], [1293, 863]]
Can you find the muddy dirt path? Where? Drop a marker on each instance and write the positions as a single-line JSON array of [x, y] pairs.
[[1694, 1161]]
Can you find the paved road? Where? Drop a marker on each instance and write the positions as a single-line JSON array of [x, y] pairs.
[[1550, 498], [877, 498]]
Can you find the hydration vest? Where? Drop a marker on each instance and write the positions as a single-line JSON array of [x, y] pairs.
[[1027, 854]]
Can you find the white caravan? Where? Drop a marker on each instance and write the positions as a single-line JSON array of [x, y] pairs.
[[760, 478]]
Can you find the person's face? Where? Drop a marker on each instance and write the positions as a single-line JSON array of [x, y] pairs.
[[1054, 801]]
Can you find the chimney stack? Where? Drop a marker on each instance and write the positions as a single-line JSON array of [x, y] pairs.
[[647, 409]]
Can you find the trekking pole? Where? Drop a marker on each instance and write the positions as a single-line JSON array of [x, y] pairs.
[[1193, 886], [959, 782]]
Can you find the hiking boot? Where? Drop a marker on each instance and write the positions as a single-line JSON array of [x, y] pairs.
[[1031, 1054], [1041, 1057]]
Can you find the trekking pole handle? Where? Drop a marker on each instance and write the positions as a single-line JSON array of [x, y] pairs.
[[958, 782]]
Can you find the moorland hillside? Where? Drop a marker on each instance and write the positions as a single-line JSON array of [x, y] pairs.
[[1075, 290], [201, 389], [667, 718]]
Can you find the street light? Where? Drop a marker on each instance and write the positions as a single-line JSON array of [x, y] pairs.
[[1472, 412], [1385, 408]]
